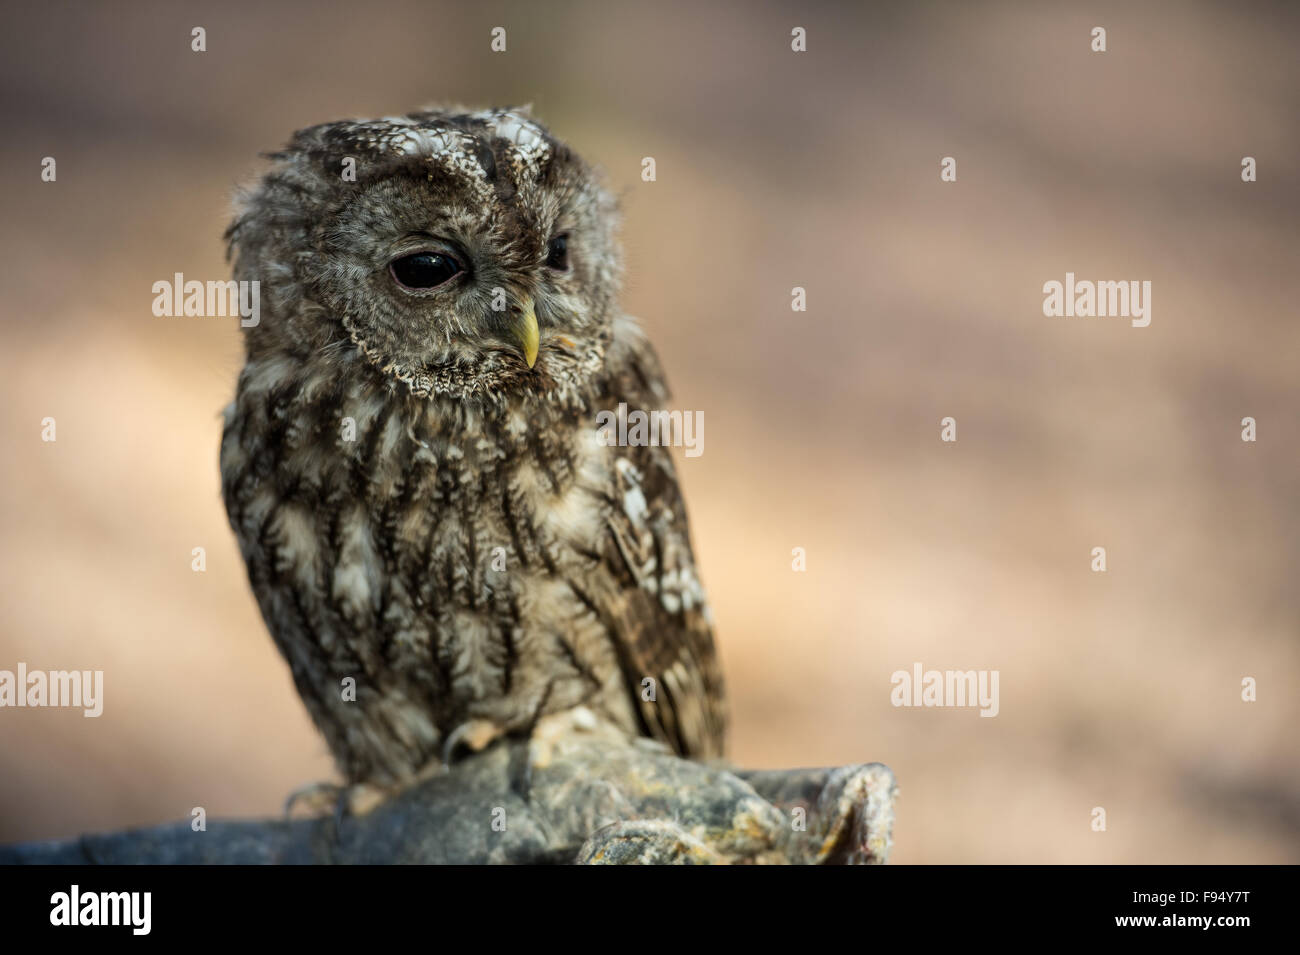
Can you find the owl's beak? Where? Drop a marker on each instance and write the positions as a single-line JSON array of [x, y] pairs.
[[523, 326]]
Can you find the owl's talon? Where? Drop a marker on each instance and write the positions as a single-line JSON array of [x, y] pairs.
[[331, 799], [476, 735], [318, 799], [550, 730]]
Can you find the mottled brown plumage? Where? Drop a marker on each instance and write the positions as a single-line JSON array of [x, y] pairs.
[[424, 509]]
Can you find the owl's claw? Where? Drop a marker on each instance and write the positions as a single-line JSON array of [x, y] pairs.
[[315, 798], [331, 799], [473, 734], [553, 729]]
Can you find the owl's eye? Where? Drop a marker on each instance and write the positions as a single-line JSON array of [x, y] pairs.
[[557, 253], [424, 269]]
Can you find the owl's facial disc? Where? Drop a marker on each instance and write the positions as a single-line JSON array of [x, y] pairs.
[[427, 271], [472, 256]]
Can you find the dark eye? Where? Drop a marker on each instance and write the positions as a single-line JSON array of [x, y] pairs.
[[557, 253], [424, 269]]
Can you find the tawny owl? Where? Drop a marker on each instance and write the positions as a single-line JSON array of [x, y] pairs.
[[432, 524]]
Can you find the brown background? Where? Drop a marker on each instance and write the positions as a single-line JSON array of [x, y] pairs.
[[819, 170]]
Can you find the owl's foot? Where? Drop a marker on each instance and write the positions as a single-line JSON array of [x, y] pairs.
[[550, 730], [316, 800], [474, 735]]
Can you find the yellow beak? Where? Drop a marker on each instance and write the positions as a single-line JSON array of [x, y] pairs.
[[524, 328]]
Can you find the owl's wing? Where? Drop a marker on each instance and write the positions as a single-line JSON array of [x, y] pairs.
[[656, 609]]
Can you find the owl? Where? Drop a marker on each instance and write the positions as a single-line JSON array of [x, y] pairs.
[[442, 545]]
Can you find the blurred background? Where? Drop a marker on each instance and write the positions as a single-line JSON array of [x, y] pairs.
[[775, 169]]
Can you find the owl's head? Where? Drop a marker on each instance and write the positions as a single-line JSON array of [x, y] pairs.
[[467, 255]]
